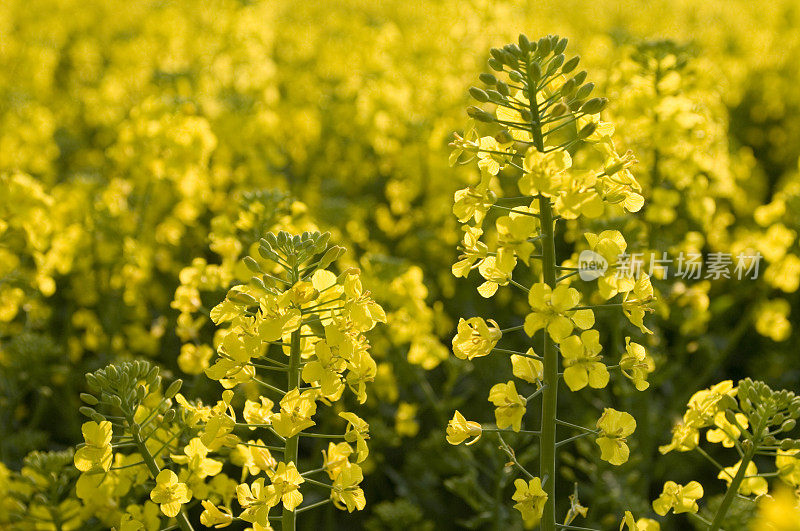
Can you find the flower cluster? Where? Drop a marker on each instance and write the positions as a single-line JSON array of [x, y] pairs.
[[550, 145]]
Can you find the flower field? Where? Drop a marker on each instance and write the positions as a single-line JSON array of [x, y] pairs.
[[399, 265]]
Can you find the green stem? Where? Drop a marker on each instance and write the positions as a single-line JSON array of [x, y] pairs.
[[733, 488], [152, 466], [547, 438], [290, 453]]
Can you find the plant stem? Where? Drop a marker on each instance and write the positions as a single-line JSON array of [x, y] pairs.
[[547, 439], [733, 488], [290, 453]]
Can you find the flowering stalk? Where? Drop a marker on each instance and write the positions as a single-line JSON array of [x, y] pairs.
[[546, 118]]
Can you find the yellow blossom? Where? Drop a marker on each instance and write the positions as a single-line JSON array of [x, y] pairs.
[[169, 493], [475, 338], [509, 405], [460, 429]]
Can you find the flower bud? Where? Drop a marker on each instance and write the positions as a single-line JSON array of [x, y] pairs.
[[535, 72], [561, 46], [479, 94], [173, 389], [594, 105], [543, 47], [580, 77], [86, 411], [559, 109], [584, 91], [479, 114], [89, 399], [570, 65], [502, 88], [495, 65], [169, 416], [587, 130], [524, 43], [788, 426]]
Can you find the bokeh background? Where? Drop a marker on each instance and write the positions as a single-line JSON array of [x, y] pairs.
[[145, 145]]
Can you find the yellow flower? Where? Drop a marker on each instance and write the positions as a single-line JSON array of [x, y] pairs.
[[195, 456], [256, 499], [509, 405], [345, 489], [460, 429], [788, 465], [326, 369], [169, 493], [213, 516], [543, 172], [96, 454], [475, 338], [678, 498], [751, 484], [530, 498], [258, 413], [614, 427], [684, 439], [642, 524], [405, 423], [336, 458], [778, 512], [286, 480], [357, 431], [194, 359], [636, 364], [253, 457], [610, 244], [553, 309], [296, 410], [726, 432], [637, 301], [514, 232], [526, 368], [582, 363]]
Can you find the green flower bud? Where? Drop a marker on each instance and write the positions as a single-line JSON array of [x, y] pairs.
[[580, 77], [725, 401], [559, 109], [787, 444], [584, 91], [587, 130], [330, 256], [479, 94], [535, 72], [89, 399], [524, 43], [515, 76], [488, 79], [169, 416], [788, 426], [555, 64], [730, 416], [173, 389], [502, 88], [543, 47], [495, 65], [479, 114], [570, 65], [86, 411], [504, 137], [252, 265], [594, 105], [561, 46]]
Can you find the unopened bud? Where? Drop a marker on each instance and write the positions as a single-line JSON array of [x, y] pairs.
[[479, 94], [173, 388], [594, 105]]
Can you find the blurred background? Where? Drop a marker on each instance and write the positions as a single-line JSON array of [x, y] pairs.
[[146, 145]]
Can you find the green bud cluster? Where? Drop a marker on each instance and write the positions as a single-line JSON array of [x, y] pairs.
[[292, 252], [532, 67], [769, 413], [123, 387]]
